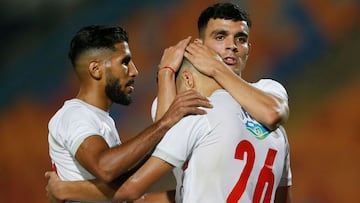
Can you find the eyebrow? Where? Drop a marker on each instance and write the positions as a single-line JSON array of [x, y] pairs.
[[219, 31], [241, 34], [225, 32]]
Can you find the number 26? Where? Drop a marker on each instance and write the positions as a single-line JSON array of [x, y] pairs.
[[265, 176]]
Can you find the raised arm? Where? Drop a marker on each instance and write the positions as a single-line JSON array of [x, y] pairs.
[[169, 65], [267, 108]]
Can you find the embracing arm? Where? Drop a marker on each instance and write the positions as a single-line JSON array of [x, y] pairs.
[[88, 190], [157, 197], [268, 109], [108, 163], [94, 190], [136, 186]]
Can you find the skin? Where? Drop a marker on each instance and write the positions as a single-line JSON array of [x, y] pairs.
[[153, 169], [222, 53], [114, 71], [225, 47]]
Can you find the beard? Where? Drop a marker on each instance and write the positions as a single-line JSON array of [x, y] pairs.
[[114, 92]]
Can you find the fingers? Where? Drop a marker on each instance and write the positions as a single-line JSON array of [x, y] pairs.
[[197, 51], [49, 174], [183, 43], [192, 97], [186, 103], [173, 55]]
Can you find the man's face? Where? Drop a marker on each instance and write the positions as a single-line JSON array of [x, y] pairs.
[[230, 39], [120, 73]]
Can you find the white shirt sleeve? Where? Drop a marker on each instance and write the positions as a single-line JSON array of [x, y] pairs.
[[180, 141], [77, 125], [272, 87]]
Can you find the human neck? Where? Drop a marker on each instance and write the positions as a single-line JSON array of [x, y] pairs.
[[208, 87], [94, 98]]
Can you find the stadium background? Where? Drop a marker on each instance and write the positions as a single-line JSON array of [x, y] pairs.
[[311, 47]]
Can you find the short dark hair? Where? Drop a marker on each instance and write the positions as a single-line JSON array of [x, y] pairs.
[[95, 37], [227, 11]]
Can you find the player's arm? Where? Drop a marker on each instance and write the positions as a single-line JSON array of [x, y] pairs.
[[283, 194], [270, 110], [169, 65], [89, 190], [157, 197], [134, 188], [108, 163], [266, 108]]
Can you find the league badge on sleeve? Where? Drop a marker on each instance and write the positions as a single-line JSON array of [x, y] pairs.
[[260, 131]]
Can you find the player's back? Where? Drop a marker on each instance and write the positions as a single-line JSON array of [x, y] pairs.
[[238, 161]]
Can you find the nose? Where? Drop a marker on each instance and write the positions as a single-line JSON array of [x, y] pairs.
[[133, 72], [231, 45]]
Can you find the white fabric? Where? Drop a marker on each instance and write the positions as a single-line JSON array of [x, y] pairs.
[[208, 142], [69, 127]]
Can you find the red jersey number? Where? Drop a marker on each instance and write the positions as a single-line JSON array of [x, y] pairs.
[[266, 175]]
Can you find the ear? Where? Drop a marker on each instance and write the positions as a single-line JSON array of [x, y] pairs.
[[249, 49], [188, 80], [95, 70]]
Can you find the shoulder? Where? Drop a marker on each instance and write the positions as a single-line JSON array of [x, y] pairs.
[[271, 86], [221, 96], [267, 83], [222, 100], [73, 111]]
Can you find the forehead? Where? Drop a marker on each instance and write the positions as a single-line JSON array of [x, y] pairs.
[[122, 48], [227, 25]]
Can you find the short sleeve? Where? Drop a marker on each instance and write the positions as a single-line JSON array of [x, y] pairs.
[[77, 125], [180, 141], [272, 87]]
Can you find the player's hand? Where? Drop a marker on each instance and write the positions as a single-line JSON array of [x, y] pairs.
[[185, 103], [206, 60], [173, 56], [53, 181]]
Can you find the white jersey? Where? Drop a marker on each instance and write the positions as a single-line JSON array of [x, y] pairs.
[[226, 155], [69, 127]]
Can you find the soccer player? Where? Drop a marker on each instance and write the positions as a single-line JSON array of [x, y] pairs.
[[83, 141], [221, 53], [219, 156]]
